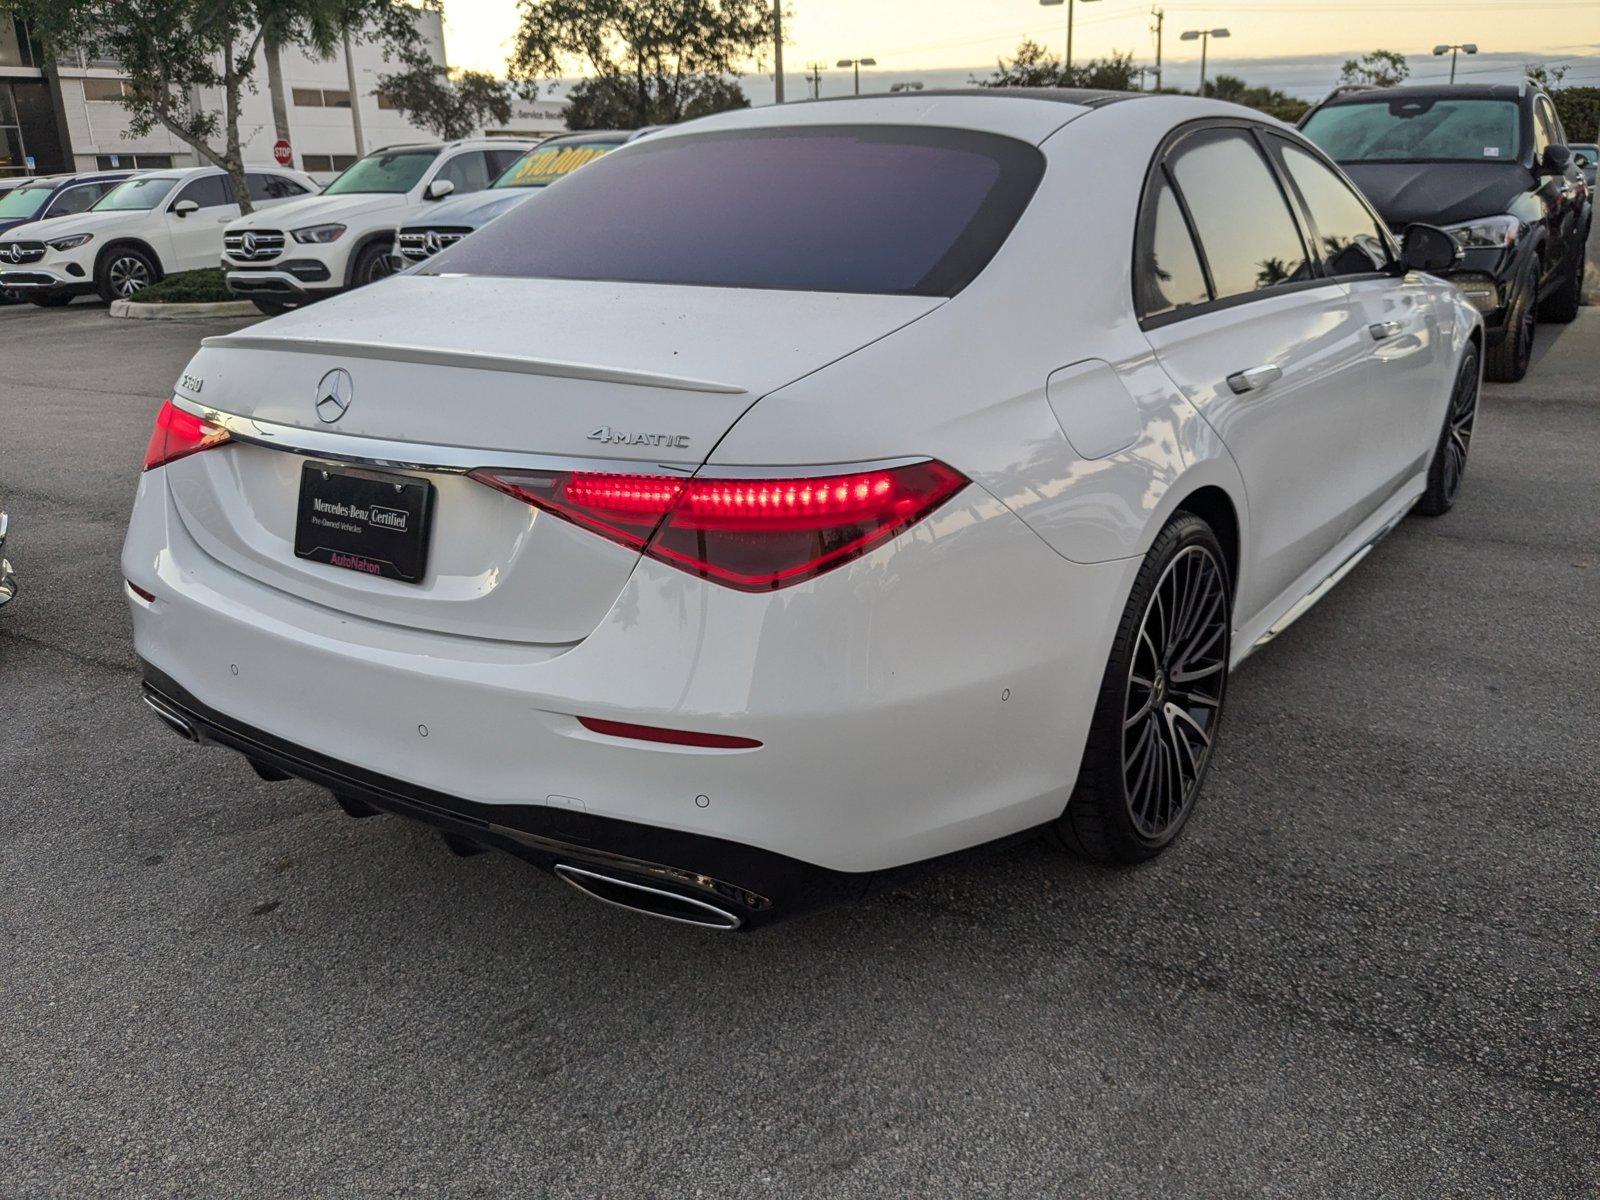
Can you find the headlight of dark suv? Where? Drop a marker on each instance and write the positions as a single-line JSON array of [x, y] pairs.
[[1487, 234]]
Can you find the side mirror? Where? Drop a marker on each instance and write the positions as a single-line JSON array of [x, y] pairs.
[[1428, 248], [1555, 160], [184, 207], [439, 189]]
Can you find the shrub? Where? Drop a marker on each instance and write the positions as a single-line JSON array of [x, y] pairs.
[[188, 287]]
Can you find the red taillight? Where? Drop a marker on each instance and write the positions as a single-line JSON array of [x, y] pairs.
[[754, 534], [177, 434], [671, 737]]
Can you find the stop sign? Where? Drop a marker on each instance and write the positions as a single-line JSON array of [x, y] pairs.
[[282, 153]]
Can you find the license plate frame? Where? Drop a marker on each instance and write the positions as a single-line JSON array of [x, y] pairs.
[[372, 522]]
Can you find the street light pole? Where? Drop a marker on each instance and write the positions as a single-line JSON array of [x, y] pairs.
[[777, 49], [1070, 5], [857, 63], [1468, 47], [1204, 36]]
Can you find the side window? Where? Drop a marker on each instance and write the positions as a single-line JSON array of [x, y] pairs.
[[1351, 242], [469, 172], [1167, 271], [1550, 124], [271, 187], [499, 160], [211, 191], [1246, 231], [76, 199], [1543, 135]]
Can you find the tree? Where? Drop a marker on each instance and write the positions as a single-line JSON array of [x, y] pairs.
[[609, 103], [1264, 99], [172, 51], [1548, 77], [1034, 66], [453, 104], [1381, 68], [645, 62]]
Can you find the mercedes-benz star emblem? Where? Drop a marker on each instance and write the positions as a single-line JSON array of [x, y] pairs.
[[334, 394], [249, 245], [432, 242]]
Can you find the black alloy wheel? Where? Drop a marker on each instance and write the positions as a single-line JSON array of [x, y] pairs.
[[1174, 692], [1160, 705], [1508, 361], [1449, 464]]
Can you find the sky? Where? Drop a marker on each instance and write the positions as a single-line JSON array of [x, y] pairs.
[[1292, 44]]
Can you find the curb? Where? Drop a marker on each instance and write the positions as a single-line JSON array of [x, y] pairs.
[[178, 312]]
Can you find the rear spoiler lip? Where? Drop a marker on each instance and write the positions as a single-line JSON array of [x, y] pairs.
[[473, 359]]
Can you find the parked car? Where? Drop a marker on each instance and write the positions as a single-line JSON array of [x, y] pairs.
[[1491, 164], [757, 510], [344, 238], [147, 227], [431, 229], [1586, 155], [50, 197]]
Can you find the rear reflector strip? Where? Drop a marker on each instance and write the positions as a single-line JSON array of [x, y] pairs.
[[672, 737]]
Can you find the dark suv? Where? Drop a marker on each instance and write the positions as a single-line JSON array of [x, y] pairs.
[[1490, 163]]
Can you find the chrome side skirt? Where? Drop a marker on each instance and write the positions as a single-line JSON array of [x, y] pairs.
[[1303, 605]]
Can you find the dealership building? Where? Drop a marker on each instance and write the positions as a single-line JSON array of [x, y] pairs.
[[69, 115]]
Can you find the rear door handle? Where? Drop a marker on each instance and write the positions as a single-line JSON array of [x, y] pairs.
[[1383, 330], [1256, 377]]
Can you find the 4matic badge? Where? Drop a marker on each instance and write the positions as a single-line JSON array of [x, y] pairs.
[[621, 437]]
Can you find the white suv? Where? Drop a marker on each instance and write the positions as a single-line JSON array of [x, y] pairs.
[[153, 225], [343, 238]]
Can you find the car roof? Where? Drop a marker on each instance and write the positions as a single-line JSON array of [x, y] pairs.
[[1432, 91], [1031, 114], [617, 136]]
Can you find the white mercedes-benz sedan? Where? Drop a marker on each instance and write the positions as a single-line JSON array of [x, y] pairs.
[[806, 491]]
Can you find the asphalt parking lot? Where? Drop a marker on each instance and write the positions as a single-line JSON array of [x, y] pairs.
[[1370, 968]]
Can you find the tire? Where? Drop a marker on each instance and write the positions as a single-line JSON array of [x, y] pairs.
[[1561, 306], [1449, 463], [1160, 704], [51, 299], [372, 264], [272, 308], [1508, 361], [123, 272]]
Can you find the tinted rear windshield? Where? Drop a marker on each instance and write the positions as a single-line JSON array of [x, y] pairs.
[[1418, 129], [853, 208]]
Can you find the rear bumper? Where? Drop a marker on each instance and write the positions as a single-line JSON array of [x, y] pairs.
[[755, 885]]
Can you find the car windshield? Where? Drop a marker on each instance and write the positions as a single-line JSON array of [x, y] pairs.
[[543, 165], [386, 171], [1418, 129], [134, 195], [23, 201], [853, 208]]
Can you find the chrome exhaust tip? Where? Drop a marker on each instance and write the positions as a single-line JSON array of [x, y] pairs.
[[174, 720], [652, 902]]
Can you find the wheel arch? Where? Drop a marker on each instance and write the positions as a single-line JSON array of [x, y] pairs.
[[365, 243], [1216, 508], [134, 243]]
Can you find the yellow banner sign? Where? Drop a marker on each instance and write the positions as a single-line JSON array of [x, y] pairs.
[[542, 167]]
